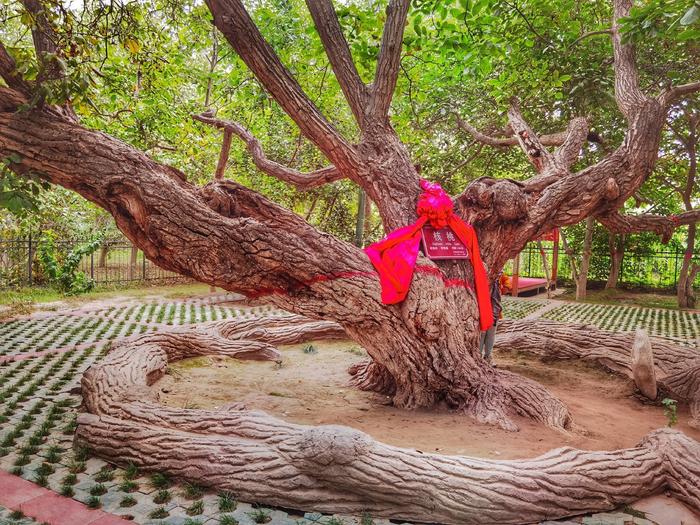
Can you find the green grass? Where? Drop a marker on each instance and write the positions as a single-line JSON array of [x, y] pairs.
[[127, 501], [159, 514], [260, 515], [40, 295], [625, 298], [160, 481], [196, 508], [162, 496], [227, 502]]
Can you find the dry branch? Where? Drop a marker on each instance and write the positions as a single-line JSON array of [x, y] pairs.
[[302, 181]]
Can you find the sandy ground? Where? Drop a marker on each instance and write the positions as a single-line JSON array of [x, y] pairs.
[[311, 388]]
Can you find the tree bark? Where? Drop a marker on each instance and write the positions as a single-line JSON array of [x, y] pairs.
[[616, 246], [676, 367], [424, 350], [338, 469], [586, 252]]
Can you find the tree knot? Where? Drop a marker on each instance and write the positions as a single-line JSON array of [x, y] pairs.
[[329, 445]]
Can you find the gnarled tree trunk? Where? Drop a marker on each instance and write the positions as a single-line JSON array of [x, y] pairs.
[[424, 350]]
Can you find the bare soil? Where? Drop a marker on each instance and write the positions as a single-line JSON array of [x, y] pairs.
[[311, 388]]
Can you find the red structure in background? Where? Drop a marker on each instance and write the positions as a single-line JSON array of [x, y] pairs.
[[524, 284]]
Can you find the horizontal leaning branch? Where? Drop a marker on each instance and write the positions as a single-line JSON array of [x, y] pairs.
[[338, 469], [302, 181]]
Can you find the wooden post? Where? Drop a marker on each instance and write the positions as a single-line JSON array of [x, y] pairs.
[[516, 271], [643, 370]]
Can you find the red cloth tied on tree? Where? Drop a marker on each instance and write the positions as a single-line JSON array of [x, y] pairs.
[[394, 257]]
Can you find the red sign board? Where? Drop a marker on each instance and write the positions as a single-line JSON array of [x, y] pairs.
[[443, 244]]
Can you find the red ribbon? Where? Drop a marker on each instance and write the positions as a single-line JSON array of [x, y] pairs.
[[394, 257]]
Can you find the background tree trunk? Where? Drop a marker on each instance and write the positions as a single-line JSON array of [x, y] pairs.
[[586, 252], [688, 272], [616, 246], [102, 259]]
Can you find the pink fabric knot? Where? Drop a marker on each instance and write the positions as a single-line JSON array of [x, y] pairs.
[[434, 204]]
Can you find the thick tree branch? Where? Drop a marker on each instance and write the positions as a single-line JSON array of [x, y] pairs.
[[303, 181], [678, 92], [660, 224], [570, 149], [8, 72], [44, 37], [387, 70], [529, 142], [628, 94], [48, 53], [338, 52], [232, 19], [223, 234]]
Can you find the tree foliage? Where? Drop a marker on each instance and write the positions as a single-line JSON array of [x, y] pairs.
[[139, 70]]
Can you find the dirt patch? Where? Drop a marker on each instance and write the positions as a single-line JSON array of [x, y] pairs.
[[310, 387]]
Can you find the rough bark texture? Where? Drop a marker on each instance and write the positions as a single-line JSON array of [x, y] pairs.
[[424, 350], [616, 246], [643, 371], [676, 367], [338, 469]]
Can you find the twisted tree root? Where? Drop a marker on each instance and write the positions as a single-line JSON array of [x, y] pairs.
[[677, 367], [338, 469]]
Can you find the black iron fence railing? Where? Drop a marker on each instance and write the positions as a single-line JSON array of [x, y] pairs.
[[654, 270], [115, 262]]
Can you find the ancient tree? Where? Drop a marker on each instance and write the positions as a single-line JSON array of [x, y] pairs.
[[423, 351]]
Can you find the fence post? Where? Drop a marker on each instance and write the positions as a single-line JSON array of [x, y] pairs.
[[143, 266], [675, 269], [92, 266], [29, 259]]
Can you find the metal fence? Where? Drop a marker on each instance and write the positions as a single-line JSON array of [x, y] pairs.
[[655, 270], [115, 262]]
